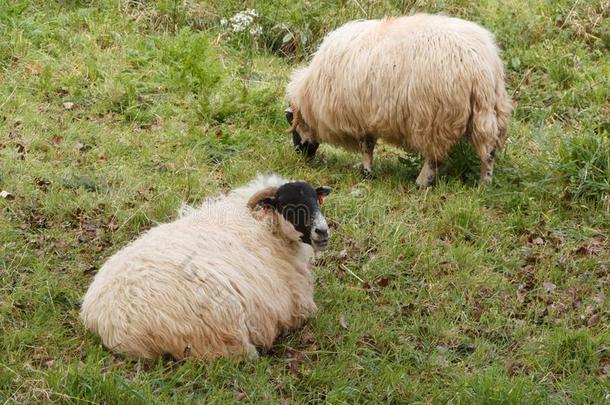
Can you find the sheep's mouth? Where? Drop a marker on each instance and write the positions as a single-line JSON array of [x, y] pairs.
[[304, 147], [320, 245]]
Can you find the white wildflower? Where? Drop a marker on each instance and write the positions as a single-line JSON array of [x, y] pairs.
[[256, 31], [242, 21]]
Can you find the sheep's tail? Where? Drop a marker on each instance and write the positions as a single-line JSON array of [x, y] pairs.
[[491, 107], [504, 107]]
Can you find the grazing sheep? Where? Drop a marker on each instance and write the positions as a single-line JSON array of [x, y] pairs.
[[221, 280], [419, 82]]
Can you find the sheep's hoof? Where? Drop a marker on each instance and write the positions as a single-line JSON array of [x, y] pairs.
[[424, 181], [367, 173], [485, 182], [251, 352]]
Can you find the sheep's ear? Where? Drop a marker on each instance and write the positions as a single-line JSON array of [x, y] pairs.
[[289, 115], [293, 117], [268, 203], [323, 191], [260, 196]]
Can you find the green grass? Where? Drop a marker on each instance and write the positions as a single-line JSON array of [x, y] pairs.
[[114, 112]]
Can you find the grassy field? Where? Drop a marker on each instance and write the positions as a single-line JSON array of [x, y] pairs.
[[114, 112]]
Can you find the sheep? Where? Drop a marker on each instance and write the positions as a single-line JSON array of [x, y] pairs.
[[222, 280], [419, 82]]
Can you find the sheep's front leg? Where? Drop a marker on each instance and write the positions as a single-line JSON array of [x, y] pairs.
[[251, 352], [367, 146], [427, 174]]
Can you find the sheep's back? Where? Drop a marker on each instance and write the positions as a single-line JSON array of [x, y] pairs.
[[396, 77]]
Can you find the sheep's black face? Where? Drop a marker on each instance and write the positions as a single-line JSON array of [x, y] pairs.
[[299, 204], [307, 148]]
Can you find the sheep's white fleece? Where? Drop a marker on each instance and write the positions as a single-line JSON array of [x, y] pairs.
[[221, 280]]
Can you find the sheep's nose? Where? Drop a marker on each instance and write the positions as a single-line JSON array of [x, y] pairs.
[[319, 237], [322, 232]]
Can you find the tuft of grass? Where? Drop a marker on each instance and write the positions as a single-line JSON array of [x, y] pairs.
[[584, 166], [569, 353], [494, 386]]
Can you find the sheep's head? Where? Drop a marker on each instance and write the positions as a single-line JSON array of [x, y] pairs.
[[299, 205], [300, 134]]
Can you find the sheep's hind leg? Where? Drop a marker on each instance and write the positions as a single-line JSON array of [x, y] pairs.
[[487, 165], [485, 140], [427, 174], [367, 146]]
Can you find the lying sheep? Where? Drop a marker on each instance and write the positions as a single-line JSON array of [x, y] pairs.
[[419, 82], [222, 280]]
